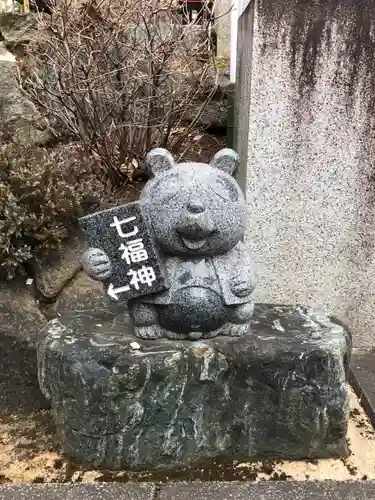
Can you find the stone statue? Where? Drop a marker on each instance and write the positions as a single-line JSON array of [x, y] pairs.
[[197, 215], [276, 391]]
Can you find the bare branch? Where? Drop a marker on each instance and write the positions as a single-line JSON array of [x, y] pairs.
[[120, 76]]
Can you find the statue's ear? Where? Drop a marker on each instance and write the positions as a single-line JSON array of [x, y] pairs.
[[226, 160], [158, 161]]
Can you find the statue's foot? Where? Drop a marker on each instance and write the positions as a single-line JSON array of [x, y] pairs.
[[236, 329], [181, 336], [228, 330], [158, 332], [215, 333], [148, 332]]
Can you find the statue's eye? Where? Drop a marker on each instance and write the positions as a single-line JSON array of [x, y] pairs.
[[224, 189], [167, 187]]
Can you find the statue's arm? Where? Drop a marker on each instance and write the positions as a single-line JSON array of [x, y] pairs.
[[243, 280]]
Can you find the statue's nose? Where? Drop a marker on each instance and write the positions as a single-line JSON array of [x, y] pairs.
[[195, 207]]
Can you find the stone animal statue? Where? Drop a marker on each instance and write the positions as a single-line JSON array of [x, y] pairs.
[[198, 216]]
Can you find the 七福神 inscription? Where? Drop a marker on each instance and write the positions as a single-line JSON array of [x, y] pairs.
[[123, 235]]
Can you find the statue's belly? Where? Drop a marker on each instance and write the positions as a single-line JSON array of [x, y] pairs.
[[193, 309]]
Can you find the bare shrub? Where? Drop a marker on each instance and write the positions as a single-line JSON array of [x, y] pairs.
[[120, 76]]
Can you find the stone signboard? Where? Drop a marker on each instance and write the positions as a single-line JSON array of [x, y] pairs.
[[125, 240]]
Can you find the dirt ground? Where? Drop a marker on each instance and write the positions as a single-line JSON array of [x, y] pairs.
[[29, 453]]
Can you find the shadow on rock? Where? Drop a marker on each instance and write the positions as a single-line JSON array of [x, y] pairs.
[[19, 388]]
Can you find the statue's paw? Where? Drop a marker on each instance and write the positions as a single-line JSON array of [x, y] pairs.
[[173, 335], [148, 332], [235, 329], [241, 287], [96, 264], [195, 335]]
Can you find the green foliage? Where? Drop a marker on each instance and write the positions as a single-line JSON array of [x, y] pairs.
[[41, 194]]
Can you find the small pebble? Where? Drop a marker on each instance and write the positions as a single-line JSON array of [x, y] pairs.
[[115, 370], [135, 346], [277, 326], [29, 281], [311, 466]]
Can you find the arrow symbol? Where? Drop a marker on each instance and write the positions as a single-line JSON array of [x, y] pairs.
[[113, 292]]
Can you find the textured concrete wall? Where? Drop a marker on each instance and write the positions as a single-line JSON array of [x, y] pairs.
[[243, 88], [311, 174], [222, 26]]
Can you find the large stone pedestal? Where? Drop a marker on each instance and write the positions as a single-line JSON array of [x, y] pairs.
[[280, 391]]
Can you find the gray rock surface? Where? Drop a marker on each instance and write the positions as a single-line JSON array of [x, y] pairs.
[[214, 116], [19, 312], [83, 294], [18, 115], [20, 319], [53, 274], [363, 379], [279, 391]]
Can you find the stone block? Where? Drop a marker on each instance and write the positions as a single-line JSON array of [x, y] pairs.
[[306, 162], [84, 295], [280, 391], [19, 116], [125, 237], [21, 321]]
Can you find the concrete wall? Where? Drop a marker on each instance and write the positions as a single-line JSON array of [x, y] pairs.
[[310, 177], [222, 10], [243, 88]]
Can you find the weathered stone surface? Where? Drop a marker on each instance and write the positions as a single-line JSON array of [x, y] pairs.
[[18, 115], [5, 55], [309, 490], [19, 312], [279, 391], [52, 275], [214, 116], [363, 379], [20, 320], [84, 295], [17, 29]]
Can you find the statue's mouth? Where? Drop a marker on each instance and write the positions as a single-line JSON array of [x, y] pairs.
[[193, 244]]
